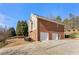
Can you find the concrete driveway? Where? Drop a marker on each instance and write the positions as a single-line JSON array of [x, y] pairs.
[[51, 47]]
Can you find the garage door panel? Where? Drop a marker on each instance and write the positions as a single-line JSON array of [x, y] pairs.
[[43, 36], [54, 36]]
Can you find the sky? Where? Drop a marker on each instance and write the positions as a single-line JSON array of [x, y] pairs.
[[11, 13]]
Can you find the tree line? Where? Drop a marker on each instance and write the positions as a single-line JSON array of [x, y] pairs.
[[72, 22]]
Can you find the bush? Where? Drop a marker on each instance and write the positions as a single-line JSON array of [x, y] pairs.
[[11, 32], [74, 35], [67, 36]]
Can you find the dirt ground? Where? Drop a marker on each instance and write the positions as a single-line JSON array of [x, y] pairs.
[[51, 47], [15, 42]]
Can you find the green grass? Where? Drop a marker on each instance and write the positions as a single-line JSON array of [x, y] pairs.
[[74, 35]]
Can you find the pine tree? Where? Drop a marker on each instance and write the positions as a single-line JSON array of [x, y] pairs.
[[22, 28], [58, 19]]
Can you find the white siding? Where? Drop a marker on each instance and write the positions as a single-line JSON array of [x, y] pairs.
[[29, 26], [33, 19]]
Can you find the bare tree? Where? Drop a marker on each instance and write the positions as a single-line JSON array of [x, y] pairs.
[[3, 34]]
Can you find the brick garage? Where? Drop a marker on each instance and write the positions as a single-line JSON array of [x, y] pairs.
[[41, 28]]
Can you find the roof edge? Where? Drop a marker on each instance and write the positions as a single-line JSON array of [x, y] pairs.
[[45, 18]]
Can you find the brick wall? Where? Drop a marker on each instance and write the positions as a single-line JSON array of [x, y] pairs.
[[50, 27]]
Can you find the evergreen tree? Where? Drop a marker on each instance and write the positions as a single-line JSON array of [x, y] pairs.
[[11, 32], [22, 28], [58, 19]]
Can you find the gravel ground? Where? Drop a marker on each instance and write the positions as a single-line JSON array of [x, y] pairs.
[[51, 47]]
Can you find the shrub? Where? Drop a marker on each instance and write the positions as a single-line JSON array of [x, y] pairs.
[[11, 32], [74, 35], [67, 36]]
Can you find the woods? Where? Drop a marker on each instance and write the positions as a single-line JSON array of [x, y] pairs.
[[72, 22]]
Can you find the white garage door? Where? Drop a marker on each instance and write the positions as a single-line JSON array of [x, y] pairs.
[[54, 36], [44, 36]]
